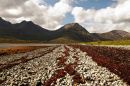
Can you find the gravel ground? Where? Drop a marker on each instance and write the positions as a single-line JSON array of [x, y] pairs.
[[63, 66]]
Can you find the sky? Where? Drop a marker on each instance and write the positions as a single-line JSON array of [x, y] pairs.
[[96, 16]]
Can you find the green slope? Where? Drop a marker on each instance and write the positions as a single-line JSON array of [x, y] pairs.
[[118, 42], [63, 40]]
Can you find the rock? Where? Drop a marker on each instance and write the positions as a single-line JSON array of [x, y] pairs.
[[32, 72], [25, 84], [42, 68], [39, 83]]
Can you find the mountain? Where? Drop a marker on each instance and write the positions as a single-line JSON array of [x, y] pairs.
[[116, 35], [74, 31], [5, 27], [26, 30], [69, 33], [4, 23]]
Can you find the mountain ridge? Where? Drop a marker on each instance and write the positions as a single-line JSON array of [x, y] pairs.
[[72, 32]]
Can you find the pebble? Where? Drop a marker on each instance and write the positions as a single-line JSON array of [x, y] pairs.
[[35, 72]]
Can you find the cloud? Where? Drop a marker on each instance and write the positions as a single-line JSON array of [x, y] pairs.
[[52, 16], [42, 14], [104, 19], [11, 4]]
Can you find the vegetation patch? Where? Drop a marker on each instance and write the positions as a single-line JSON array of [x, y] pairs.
[[15, 50], [67, 69], [21, 60], [115, 59], [118, 42]]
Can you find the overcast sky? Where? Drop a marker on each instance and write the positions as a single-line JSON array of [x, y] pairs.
[[94, 15]]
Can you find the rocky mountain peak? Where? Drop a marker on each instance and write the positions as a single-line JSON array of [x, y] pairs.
[[0, 18], [74, 27], [27, 22], [4, 22], [70, 25]]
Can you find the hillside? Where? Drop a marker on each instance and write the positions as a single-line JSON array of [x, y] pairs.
[[63, 40], [116, 35]]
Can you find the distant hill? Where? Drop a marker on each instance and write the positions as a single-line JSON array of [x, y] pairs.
[[116, 35], [69, 33]]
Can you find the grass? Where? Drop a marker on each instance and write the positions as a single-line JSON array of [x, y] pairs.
[[118, 42]]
